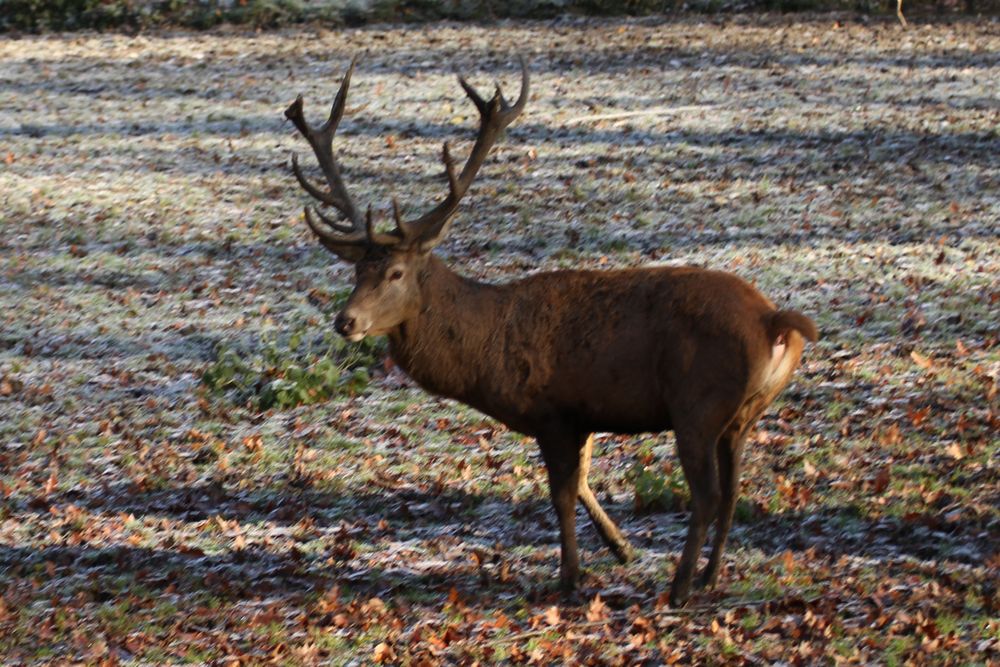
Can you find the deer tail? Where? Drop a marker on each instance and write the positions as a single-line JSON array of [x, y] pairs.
[[784, 320]]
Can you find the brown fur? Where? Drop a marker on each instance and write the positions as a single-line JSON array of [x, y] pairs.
[[561, 355]]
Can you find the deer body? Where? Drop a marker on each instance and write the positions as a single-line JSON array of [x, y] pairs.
[[561, 355], [527, 354]]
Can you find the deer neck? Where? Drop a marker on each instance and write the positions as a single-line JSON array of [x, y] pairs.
[[444, 346]]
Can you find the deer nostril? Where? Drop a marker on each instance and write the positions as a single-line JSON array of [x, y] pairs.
[[344, 325]]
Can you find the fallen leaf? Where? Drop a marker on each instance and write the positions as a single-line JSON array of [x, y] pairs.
[[788, 560], [881, 481], [597, 610], [52, 483], [918, 417], [920, 360], [383, 653]]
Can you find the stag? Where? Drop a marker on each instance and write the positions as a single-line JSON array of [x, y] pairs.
[[561, 355]]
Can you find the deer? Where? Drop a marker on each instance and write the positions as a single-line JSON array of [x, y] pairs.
[[561, 355]]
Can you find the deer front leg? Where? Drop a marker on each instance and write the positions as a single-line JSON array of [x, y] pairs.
[[606, 528], [562, 461]]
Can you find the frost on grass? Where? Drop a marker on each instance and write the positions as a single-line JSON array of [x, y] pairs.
[[150, 222]]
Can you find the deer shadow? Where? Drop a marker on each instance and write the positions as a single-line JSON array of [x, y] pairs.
[[485, 520]]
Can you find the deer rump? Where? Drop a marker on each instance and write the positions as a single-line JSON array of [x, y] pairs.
[[626, 351]]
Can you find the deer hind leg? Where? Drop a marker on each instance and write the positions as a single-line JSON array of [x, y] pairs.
[[784, 358], [606, 528], [730, 450], [698, 453], [561, 454]]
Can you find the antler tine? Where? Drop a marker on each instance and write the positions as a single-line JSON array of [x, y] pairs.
[[397, 216], [369, 225], [495, 115], [347, 230], [336, 242], [321, 141], [325, 197], [449, 168]]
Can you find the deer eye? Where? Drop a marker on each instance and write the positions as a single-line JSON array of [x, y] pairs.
[[395, 274]]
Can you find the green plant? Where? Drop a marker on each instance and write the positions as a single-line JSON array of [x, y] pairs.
[[626, 6], [265, 13], [656, 490], [297, 370], [63, 14]]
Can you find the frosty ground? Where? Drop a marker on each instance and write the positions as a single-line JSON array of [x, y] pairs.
[[152, 232]]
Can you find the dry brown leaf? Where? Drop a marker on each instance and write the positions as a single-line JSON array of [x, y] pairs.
[[918, 417], [597, 610], [52, 482], [920, 360], [374, 606], [881, 481], [383, 653], [788, 560]]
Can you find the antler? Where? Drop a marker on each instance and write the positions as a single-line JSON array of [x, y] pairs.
[[335, 236], [350, 240], [495, 115]]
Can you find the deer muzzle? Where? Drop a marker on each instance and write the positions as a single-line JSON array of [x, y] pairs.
[[347, 326]]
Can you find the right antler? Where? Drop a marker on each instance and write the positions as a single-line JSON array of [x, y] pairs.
[[427, 230]]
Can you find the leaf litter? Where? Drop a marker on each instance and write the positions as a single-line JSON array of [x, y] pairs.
[[850, 170]]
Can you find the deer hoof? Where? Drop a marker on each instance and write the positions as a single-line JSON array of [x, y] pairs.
[[706, 582], [679, 598], [568, 581], [623, 551]]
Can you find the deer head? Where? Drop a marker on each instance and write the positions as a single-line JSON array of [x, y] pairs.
[[389, 266]]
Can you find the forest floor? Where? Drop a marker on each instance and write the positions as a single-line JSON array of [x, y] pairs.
[[165, 498]]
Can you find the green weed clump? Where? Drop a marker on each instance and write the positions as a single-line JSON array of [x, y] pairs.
[[63, 14], [657, 490], [291, 372]]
